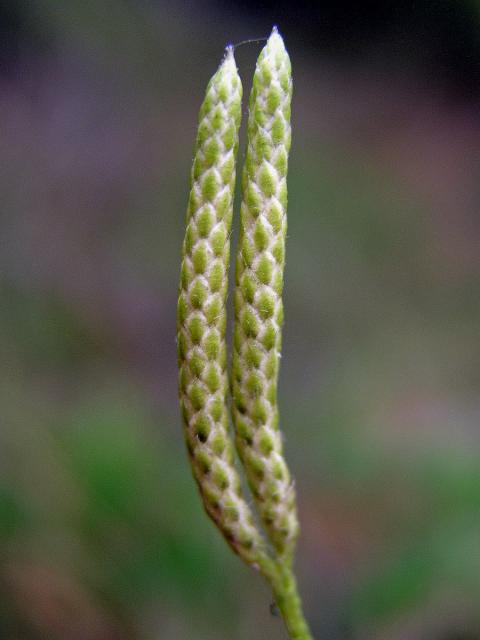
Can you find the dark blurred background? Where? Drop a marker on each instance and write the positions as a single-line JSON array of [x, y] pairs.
[[102, 536]]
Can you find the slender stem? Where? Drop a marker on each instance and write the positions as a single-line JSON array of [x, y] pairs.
[[287, 598]]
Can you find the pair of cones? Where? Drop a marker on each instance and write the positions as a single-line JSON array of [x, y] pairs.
[[208, 394]]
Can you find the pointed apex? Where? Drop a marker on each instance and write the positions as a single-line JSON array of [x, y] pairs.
[[228, 51], [275, 40], [228, 63]]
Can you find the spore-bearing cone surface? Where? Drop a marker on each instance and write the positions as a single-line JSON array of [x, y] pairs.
[[202, 353], [201, 317], [258, 296]]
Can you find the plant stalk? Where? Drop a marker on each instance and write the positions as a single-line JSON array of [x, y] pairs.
[[287, 599]]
